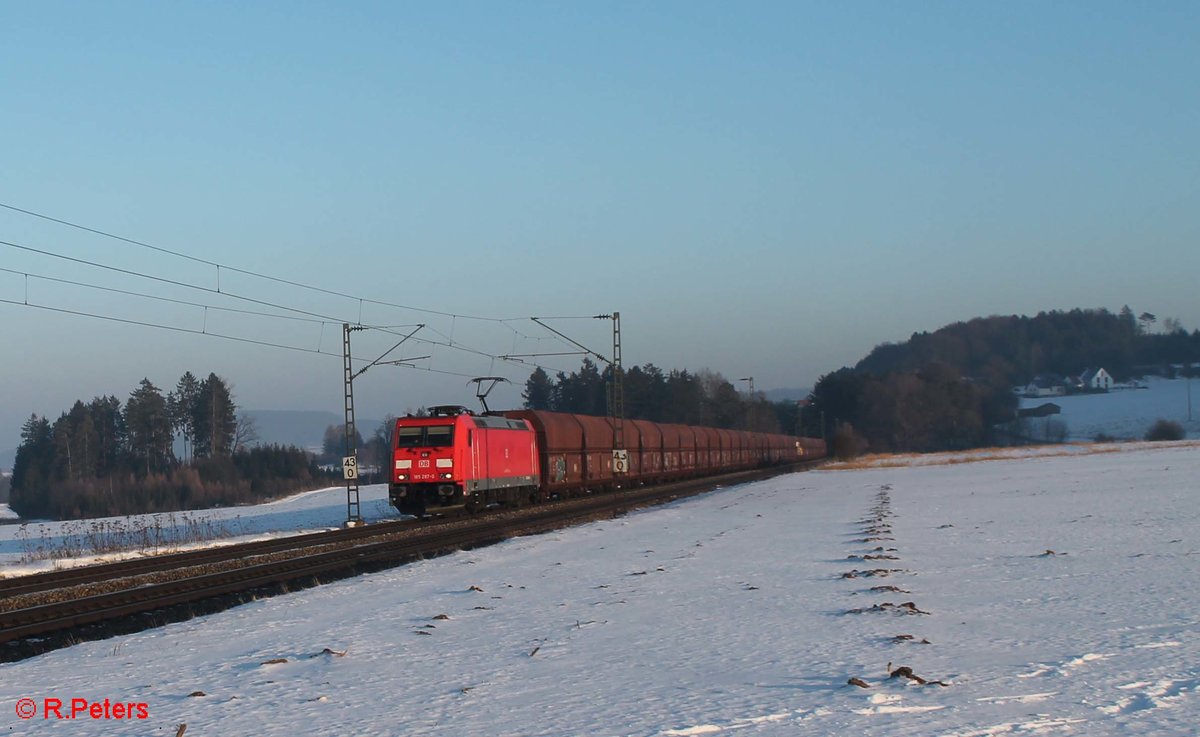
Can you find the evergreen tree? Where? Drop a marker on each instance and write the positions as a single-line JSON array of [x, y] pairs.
[[33, 469], [182, 403], [108, 419], [645, 392], [539, 390], [149, 426], [76, 443], [214, 418]]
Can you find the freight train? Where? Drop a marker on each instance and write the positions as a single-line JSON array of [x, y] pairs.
[[454, 459]]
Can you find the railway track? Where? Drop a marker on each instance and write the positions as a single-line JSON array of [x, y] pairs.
[[98, 601], [90, 574]]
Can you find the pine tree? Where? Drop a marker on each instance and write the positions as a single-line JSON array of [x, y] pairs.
[[182, 405], [33, 469], [109, 422], [539, 390], [149, 426], [214, 418]]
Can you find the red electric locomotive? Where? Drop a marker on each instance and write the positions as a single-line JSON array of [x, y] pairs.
[[453, 458]]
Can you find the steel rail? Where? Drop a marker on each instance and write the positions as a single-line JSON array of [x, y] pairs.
[[50, 580]]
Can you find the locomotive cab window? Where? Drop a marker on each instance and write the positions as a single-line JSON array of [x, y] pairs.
[[429, 436]]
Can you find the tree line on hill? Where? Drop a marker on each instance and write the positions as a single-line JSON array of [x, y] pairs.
[[1015, 349], [101, 458], [702, 398], [952, 388]]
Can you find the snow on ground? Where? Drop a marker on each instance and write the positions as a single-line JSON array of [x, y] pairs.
[[1126, 413], [725, 613], [305, 512], [6, 512]]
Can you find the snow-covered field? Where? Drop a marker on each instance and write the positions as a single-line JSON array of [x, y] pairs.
[[23, 547], [1126, 414], [726, 613]]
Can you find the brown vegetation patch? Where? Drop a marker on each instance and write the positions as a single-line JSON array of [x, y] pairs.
[[880, 572], [907, 607], [911, 638], [905, 672]]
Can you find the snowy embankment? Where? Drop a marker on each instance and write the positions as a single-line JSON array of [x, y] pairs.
[[1051, 595], [6, 512], [36, 546], [1126, 414]]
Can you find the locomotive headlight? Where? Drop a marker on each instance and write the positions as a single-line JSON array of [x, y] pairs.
[[403, 464], [402, 476], [445, 462], [447, 475]]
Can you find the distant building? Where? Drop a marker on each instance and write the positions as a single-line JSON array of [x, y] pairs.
[[1042, 410], [1095, 380], [1046, 385]]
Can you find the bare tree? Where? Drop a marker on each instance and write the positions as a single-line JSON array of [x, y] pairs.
[[246, 432]]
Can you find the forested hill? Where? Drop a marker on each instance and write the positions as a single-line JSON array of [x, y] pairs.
[[952, 388], [1013, 349]]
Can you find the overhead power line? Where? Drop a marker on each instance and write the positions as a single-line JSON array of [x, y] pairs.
[[314, 316], [450, 343], [170, 300], [259, 275], [207, 333]]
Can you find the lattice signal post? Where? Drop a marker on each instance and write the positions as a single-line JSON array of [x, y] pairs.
[[350, 460], [616, 407]]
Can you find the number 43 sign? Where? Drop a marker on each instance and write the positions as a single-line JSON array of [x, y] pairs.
[[350, 468]]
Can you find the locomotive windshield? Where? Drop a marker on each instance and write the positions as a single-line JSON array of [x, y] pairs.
[[429, 436]]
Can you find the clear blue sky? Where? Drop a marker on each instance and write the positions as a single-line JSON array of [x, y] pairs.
[[764, 189]]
